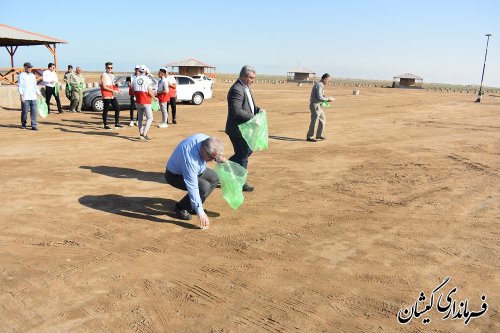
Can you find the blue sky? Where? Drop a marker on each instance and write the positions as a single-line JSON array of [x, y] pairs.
[[442, 41]]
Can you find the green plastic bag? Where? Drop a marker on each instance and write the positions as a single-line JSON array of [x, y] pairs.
[[56, 91], [325, 103], [232, 177], [155, 105], [68, 91], [42, 108], [255, 132]]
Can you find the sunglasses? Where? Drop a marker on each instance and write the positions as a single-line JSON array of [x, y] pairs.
[[109, 67]]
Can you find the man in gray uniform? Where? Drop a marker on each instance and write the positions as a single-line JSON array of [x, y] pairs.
[[317, 98]]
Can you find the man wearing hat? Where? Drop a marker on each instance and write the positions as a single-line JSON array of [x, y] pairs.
[[143, 92], [131, 80], [28, 93]]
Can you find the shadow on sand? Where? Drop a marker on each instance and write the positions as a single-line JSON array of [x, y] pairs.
[[123, 173], [284, 138], [136, 207]]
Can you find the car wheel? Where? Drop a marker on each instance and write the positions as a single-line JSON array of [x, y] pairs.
[[197, 98], [98, 104]]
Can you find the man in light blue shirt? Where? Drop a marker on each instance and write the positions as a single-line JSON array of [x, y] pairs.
[[28, 93], [187, 170]]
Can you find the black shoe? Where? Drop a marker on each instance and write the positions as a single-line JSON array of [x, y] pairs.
[[311, 140], [182, 214], [218, 185], [34, 128], [247, 188], [174, 121], [320, 138], [23, 126], [61, 111], [119, 126], [106, 127]]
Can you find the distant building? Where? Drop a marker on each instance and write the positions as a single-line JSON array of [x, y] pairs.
[[301, 75], [191, 67], [407, 80]]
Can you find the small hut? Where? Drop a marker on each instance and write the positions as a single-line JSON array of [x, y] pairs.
[[11, 38], [407, 80], [191, 67], [301, 75]]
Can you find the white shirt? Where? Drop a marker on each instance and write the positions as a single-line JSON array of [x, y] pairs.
[[250, 100], [27, 86], [50, 78]]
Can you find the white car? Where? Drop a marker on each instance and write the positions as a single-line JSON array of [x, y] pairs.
[[190, 90], [205, 79]]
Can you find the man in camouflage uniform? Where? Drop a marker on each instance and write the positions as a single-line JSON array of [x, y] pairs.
[[68, 90], [78, 86]]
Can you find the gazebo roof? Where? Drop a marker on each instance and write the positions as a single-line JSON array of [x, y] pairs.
[[10, 36], [301, 70], [408, 76], [189, 63]]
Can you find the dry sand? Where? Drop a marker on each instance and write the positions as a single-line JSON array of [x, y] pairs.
[[337, 237]]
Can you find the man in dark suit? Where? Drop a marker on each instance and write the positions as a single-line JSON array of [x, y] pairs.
[[241, 108]]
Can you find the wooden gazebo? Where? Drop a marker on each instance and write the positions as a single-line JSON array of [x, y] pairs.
[[301, 75], [11, 38], [407, 80], [191, 67]]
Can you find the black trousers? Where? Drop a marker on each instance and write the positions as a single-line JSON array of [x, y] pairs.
[[49, 91], [132, 108], [173, 105], [241, 151], [207, 181], [107, 103]]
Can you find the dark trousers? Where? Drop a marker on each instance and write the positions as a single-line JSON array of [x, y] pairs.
[[207, 181], [173, 105], [107, 103], [241, 151], [49, 91], [31, 106], [132, 108]]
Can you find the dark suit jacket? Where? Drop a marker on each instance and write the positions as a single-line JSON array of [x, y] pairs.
[[239, 110]]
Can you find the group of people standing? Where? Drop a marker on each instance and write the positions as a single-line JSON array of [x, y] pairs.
[[28, 91], [141, 94]]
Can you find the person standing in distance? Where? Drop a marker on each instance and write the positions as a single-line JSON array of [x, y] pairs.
[[163, 94], [108, 90], [28, 93], [317, 113], [143, 91], [78, 89], [50, 80], [172, 91], [131, 80], [241, 108]]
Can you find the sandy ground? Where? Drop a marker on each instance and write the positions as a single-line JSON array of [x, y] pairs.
[[337, 237]]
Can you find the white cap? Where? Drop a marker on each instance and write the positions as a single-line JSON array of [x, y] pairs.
[[143, 68], [137, 66]]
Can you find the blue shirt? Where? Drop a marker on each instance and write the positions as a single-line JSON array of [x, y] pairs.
[[186, 160]]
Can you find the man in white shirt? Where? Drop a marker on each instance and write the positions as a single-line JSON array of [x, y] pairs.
[[51, 86], [28, 93]]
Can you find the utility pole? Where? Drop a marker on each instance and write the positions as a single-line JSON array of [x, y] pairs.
[[480, 95]]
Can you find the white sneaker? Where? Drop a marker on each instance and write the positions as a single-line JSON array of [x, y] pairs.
[[163, 125], [131, 123]]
